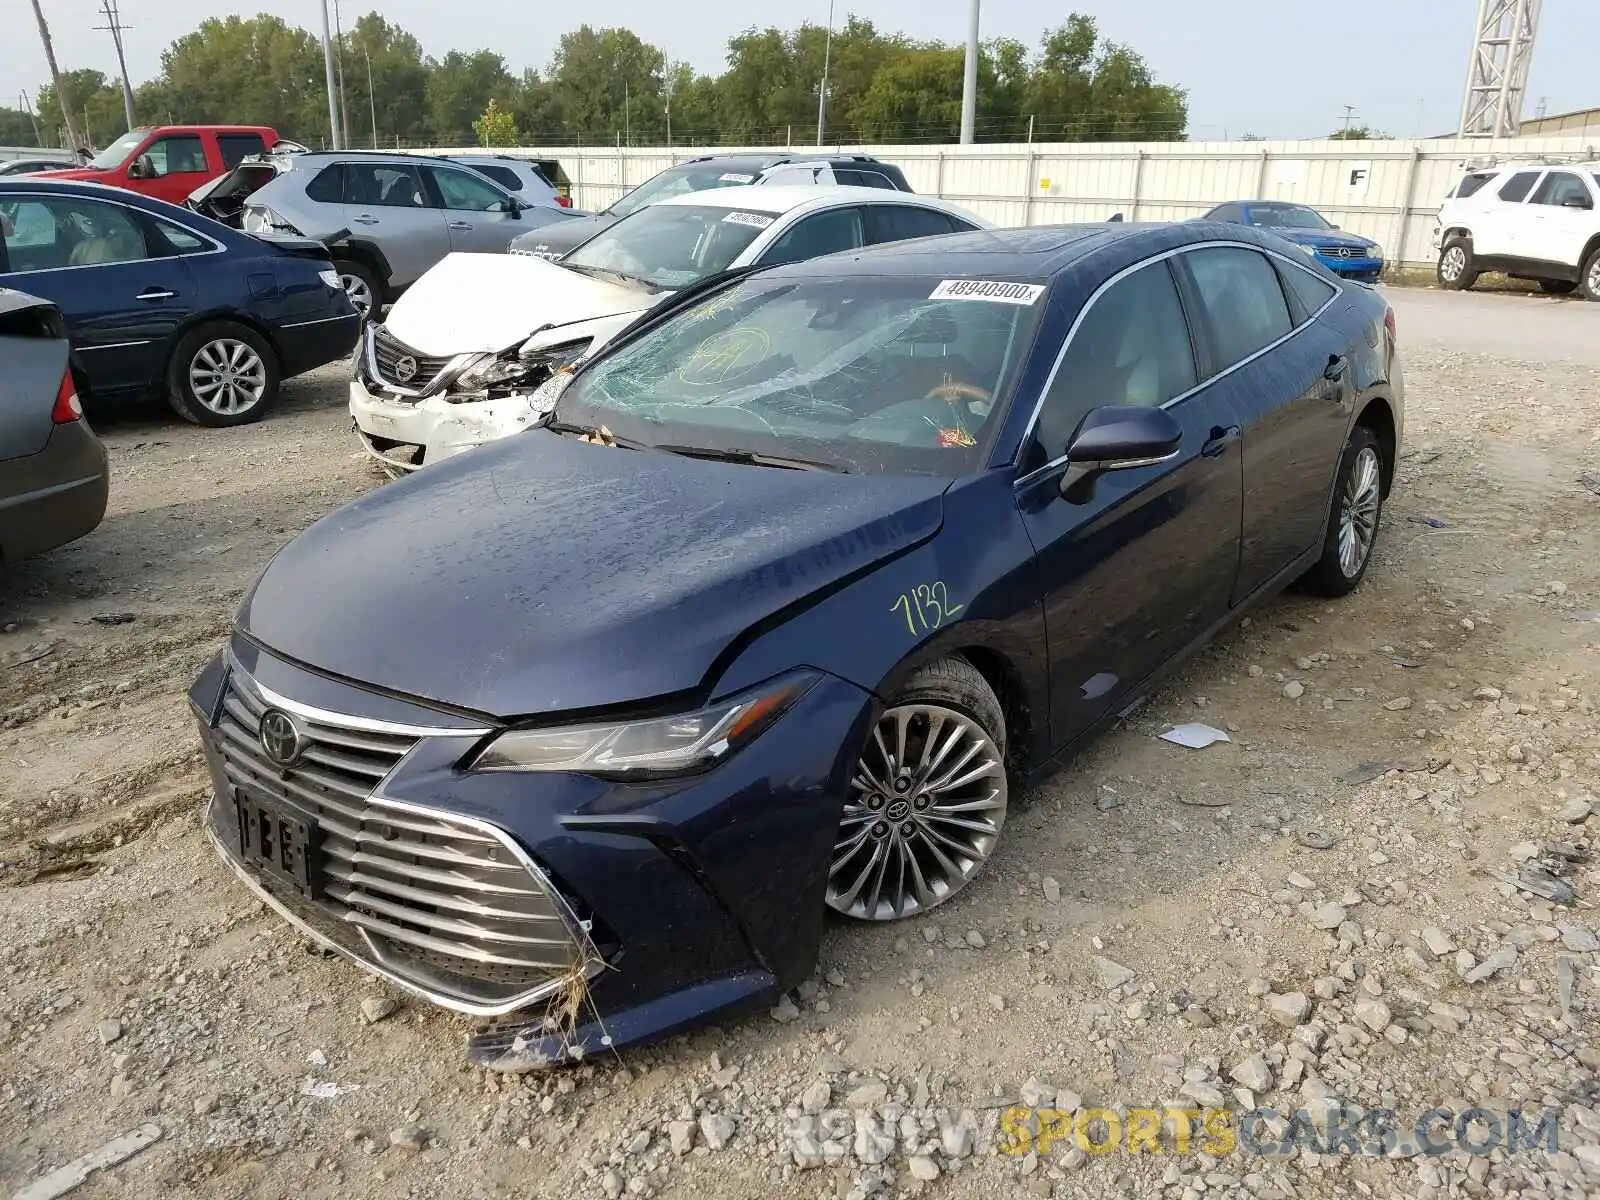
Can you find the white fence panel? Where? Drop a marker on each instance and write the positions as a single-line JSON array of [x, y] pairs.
[[1386, 190]]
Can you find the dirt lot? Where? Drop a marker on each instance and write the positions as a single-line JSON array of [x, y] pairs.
[[1162, 926]]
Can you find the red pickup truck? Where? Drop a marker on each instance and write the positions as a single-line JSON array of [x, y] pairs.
[[170, 161]]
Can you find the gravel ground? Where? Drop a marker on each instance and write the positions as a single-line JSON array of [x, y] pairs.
[[1325, 909]]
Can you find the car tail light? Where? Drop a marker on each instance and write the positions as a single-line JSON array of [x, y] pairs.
[[68, 407], [564, 201], [1388, 322]]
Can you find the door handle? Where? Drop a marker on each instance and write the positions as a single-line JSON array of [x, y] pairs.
[[1220, 440], [1337, 365], [459, 225], [155, 293], [364, 219]]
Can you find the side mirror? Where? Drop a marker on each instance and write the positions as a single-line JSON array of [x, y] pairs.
[[141, 168], [1119, 438]]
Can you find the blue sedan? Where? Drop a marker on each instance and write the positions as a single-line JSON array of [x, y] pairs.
[[160, 301], [1346, 254], [794, 588]]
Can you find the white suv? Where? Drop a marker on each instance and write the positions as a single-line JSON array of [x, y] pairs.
[[1530, 221]]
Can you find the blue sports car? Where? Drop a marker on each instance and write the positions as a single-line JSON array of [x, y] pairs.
[[776, 610], [160, 301], [1345, 254]]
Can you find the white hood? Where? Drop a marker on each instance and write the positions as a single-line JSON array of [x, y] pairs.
[[488, 302]]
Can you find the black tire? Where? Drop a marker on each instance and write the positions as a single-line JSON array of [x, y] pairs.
[[358, 277], [1589, 279], [1455, 270], [1333, 575], [928, 798], [1558, 287], [203, 345]]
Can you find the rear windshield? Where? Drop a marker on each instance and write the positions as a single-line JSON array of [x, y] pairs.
[[691, 177], [875, 374], [1287, 216]]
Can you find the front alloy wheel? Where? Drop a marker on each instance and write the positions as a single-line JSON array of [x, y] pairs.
[[928, 799]]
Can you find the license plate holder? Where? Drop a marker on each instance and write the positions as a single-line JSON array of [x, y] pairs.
[[278, 841]]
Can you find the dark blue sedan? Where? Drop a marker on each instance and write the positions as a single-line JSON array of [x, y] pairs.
[[160, 301], [798, 582], [1345, 254]]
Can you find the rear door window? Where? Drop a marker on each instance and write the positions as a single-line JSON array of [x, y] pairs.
[[1516, 189], [387, 185], [236, 147], [1244, 303], [1307, 293], [504, 176], [898, 222]]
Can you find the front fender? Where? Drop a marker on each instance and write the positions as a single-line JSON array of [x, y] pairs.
[[971, 588]]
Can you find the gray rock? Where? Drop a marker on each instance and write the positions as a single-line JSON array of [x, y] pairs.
[[1575, 812], [110, 1031], [408, 1137], [1253, 1073], [1294, 689], [1374, 1014], [1329, 916], [680, 1136], [923, 1167], [1112, 974], [1438, 942], [808, 1154], [872, 1147], [867, 1095], [956, 1140], [816, 1098], [1499, 961], [975, 939], [640, 1142], [1289, 1009], [784, 1011], [1579, 939], [717, 1130], [611, 1183], [376, 1008], [1052, 890], [1398, 704], [1206, 1094]]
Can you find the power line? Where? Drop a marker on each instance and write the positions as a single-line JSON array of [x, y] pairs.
[[115, 26]]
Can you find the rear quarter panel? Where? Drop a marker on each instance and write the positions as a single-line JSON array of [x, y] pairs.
[[33, 370]]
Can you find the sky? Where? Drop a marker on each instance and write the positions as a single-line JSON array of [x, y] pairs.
[[1402, 64]]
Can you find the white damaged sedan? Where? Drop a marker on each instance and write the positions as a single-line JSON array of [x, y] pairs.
[[479, 347]]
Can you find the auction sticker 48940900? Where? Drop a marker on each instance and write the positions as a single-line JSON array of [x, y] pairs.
[[988, 289]]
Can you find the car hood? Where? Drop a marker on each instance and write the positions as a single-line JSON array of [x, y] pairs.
[[489, 302], [1322, 238], [69, 173], [541, 574], [560, 236]]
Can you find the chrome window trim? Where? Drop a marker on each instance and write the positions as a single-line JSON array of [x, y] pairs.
[[217, 247], [1094, 297]]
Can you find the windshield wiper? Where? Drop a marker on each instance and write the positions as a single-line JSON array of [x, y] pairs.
[[595, 432], [752, 458], [596, 272]]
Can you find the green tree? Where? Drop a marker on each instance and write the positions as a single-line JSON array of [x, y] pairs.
[[610, 85], [257, 70], [92, 95], [1359, 133], [395, 109], [459, 87], [16, 128], [496, 127]]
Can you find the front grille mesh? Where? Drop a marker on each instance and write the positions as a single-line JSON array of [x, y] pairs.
[[438, 902], [388, 350]]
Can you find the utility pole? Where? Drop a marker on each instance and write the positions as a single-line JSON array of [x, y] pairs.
[[969, 84], [338, 55], [327, 70], [822, 91], [27, 107], [668, 69], [115, 26], [1349, 112], [372, 97], [55, 78]]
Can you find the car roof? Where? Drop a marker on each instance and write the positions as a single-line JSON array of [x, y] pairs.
[[785, 197], [1037, 251], [91, 187]]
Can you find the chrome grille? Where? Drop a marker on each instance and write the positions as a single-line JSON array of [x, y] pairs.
[[1341, 252], [440, 903], [387, 353]]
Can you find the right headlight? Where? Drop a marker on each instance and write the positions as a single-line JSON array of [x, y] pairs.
[[652, 748]]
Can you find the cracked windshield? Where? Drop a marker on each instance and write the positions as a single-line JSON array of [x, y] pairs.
[[893, 374]]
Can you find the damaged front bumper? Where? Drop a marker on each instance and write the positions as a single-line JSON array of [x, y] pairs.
[[404, 435], [563, 913]]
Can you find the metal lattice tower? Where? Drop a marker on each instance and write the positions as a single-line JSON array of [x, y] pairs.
[[1498, 75]]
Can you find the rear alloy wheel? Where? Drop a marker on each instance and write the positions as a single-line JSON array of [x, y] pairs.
[[1456, 271], [361, 285], [1591, 275], [222, 374], [928, 800], [1353, 519]]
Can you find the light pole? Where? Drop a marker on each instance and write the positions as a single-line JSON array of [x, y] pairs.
[[327, 67], [372, 99], [969, 85], [822, 92]]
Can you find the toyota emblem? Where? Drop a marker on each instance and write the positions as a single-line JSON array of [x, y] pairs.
[[281, 737], [405, 369]]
